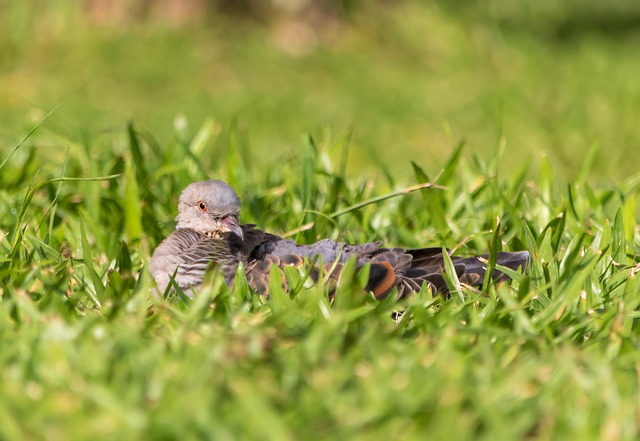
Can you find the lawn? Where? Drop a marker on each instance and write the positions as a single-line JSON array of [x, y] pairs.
[[526, 118]]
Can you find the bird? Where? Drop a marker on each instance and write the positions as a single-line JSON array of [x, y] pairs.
[[208, 233]]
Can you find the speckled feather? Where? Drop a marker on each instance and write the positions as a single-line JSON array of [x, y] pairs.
[[186, 254]]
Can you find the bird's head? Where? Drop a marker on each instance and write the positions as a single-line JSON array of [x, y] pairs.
[[211, 208]]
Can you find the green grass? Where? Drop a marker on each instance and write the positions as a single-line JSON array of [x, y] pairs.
[[87, 352], [335, 141], [410, 80]]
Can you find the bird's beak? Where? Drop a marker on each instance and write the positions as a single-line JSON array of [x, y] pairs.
[[231, 222]]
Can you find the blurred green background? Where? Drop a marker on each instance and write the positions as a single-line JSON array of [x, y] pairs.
[[407, 80], [87, 353]]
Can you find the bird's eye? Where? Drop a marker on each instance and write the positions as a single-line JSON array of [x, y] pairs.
[[202, 206]]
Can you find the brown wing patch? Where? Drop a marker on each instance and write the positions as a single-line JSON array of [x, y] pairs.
[[332, 269], [382, 279], [292, 259], [470, 279]]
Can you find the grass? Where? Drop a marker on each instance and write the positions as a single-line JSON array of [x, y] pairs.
[[409, 80], [88, 352], [338, 140]]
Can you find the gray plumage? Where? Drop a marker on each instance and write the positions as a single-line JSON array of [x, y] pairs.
[[207, 211], [185, 255], [208, 233]]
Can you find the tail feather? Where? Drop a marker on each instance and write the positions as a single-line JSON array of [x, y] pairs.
[[478, 265]]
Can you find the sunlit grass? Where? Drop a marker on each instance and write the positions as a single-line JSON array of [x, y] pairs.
[[339, 140], [410, 79], [87, 351]]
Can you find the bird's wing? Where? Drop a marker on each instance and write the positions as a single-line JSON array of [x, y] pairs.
[[429, 263], [389, 268], [260, 251]]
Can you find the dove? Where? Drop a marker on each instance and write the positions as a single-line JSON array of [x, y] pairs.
[[208, 233]]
